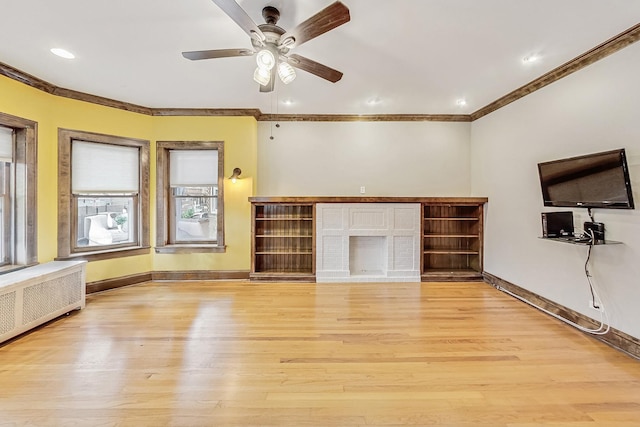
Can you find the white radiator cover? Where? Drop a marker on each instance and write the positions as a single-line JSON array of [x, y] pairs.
[[35, 295]]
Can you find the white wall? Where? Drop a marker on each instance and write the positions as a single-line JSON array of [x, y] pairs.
[[594, 109], [387, 158]]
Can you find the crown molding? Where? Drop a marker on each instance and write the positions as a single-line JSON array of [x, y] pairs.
[[603, 50], [365, 117], [599, 52], [208, 112]]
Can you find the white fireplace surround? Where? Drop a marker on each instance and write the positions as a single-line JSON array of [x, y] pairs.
[[367, 242]]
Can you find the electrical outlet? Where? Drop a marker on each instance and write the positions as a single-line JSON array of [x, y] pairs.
[[592, 305], [362, 190]]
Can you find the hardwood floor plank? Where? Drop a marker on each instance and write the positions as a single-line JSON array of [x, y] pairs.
[[305, 354]]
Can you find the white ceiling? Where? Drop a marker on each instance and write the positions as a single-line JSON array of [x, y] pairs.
[[412, 56]]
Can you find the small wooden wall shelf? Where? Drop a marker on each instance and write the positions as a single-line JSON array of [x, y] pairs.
[[283, 236]]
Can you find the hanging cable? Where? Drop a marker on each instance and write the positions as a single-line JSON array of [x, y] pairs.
[[596, 302], [604, 327]]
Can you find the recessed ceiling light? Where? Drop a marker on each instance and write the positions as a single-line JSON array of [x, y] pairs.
[[374, 101], [461, 102], [288, 101], [62, 53], [529, 59]]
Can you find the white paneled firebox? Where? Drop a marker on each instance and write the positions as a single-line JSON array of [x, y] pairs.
[[360, 242]]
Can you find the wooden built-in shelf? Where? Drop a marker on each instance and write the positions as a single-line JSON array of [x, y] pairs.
[[452, 240], [283, 236], [283, 241]]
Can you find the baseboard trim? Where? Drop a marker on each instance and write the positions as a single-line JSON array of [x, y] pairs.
[[201, 275], [614, 338], [117, 282], [134, 279]]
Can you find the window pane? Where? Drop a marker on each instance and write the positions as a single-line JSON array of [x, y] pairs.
[[195, 210], [5, 214], [106, 221]]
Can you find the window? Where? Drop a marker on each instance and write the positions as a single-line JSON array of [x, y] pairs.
[[18, 215], [190, 214], [103, 206]]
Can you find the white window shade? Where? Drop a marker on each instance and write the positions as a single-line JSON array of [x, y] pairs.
[[193, 167], [104, 168], [6, 144]]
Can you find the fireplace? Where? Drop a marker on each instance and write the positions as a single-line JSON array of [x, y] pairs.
[[367, 242]]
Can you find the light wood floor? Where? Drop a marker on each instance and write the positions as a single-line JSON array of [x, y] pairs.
[[240, 354]]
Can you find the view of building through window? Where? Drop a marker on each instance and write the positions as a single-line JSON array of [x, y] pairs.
[[105, 220], [196, 210], [5, 213]]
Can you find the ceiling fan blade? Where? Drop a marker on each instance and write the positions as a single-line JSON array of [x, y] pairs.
[[218, 53], [237, 13], [272, 82], [327, 19], [314, 67]]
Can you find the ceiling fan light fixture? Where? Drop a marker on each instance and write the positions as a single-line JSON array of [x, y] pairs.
[[262, 76], [288, 42], [286, 72], [265, 59]]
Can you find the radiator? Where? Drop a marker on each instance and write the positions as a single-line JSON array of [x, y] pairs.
[[35, 295]]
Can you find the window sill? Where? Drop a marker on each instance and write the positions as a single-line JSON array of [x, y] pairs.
[[10, 268], [190, 248], [106, 254]]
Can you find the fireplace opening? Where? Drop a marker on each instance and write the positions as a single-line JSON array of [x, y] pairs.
[[367, 255]]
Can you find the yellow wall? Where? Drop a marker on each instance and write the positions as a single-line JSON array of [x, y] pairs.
[[240, 150]]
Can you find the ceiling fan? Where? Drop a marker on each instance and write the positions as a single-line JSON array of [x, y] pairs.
[[271, 44]]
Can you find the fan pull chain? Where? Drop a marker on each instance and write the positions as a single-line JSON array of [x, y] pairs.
[[274, 92]]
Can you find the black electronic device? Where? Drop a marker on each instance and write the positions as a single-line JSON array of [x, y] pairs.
[[557, 224], [594, 230], [599, 180]]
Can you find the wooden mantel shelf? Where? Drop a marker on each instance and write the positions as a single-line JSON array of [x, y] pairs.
[[366, 199]]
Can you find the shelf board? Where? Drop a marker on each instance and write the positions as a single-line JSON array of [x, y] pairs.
[[283, 219], [283, 273], [466, 218], [435, 235], [287, 276], [284, 253], [449, 252], [450, 275], [282, 236]]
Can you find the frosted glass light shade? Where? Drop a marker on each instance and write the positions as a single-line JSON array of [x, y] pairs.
[[262, 76], [265, 59], [286, 72]]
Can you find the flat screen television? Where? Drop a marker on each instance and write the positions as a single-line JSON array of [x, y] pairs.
[[599, 180]]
